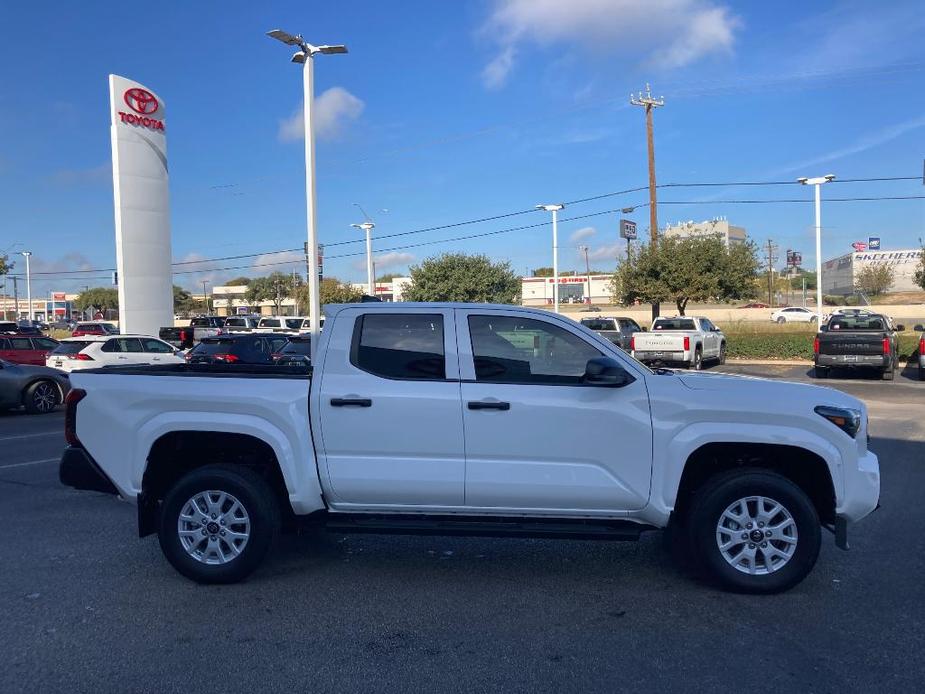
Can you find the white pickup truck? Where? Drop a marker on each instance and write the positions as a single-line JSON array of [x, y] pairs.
[[473, 419], [684, 340]]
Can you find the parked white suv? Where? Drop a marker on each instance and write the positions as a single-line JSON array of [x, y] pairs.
[[95, 351], [793, 314]]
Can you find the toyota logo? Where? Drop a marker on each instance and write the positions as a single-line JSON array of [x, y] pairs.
[[141, 100]]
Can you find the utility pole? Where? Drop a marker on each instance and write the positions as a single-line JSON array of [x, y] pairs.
[[772, 249], [205, 300], [16, 297], [650, 103], [584, 249]]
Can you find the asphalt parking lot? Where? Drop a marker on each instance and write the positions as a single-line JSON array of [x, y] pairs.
[[87, 606]]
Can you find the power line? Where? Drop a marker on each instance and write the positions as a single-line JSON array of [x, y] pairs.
[[58, 274]]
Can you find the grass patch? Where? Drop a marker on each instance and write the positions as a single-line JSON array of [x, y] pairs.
[[790, 343]]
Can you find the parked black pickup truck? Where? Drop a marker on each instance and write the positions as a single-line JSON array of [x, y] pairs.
[[187, 337], [618, 330], [857, 341]]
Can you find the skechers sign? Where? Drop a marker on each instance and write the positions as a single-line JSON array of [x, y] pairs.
[[143, 103]]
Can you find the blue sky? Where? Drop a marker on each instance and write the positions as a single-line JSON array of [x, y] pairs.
[[445, 112]]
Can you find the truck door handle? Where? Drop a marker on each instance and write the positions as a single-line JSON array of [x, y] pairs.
[[488, 405], [347, 402]]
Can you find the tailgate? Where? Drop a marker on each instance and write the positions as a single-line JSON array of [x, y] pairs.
[[659, 342], [851, 343]]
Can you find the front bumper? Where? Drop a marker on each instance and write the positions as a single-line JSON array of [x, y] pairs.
[[78, 470], [872, 361]]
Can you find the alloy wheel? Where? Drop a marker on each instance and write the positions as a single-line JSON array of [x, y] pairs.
[[213, 527], [756, 535]]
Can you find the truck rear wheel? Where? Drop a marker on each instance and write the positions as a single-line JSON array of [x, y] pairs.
[[889, 373], [697, 362], [218, 523], [754, 531]]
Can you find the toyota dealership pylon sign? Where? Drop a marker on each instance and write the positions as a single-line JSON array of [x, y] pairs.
[[139, 181]]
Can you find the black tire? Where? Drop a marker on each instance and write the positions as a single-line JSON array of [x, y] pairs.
[[722, 354], [781, 320], [697, 364], [718, 494], [921, 372], [258, 501], [820, 372], [890, 373], [41, 397]]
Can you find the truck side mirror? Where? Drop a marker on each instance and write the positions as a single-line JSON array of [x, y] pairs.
[[823, 328], [605, 371], [919, 328], [900, 327]]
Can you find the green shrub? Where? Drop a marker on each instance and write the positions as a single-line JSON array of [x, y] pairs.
[[792, 344]]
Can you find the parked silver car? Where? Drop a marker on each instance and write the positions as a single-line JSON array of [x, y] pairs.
[[37, 388]]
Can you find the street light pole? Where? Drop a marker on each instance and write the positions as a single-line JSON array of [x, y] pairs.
[[554, 208], [588, 269], [305, 55], [817, 182], [205, 300], [28, 255], [370, 274]]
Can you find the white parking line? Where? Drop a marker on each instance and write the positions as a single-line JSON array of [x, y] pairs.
[[31, 462], [52, 432]]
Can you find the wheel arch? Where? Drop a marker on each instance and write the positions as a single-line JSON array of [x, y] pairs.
[[40, 379], [806, 468]]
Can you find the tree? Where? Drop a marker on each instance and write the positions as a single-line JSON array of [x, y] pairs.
[[274, 287], [874, 279], [388, 277], [183, 301], [462, 277], [919, 276], [5, 264], [100, 298], [685, 269], [542, 272], [333, 291], [238, 282]]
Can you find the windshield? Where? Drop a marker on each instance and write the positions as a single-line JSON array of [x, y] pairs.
[[293, 323], [599, 323], [297, 347], [875, 323], [269, 323], [70, 347], [673, 324]]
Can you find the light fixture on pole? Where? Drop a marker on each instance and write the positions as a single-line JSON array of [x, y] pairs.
[[28, 255], [817, 182], [554, 208], [370, 276], [305, 55]]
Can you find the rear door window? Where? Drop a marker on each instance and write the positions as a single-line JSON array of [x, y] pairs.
[[21, 343], [400, 345], [152, 345], [45, 343]]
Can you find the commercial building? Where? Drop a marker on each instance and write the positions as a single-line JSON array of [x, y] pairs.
[[56, 306], [839, 274], [538, 291], [718, 226]]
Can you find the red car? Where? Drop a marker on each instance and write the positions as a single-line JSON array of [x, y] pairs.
[[757, 304], [94, 329], [26, 349]]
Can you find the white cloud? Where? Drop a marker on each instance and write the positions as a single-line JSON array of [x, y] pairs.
[[582, 234], [385, 261], [664, 33], [862, 144], [609, 252], [278, 262], [334, 108]]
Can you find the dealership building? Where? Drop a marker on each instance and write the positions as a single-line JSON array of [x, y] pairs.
[[718, 227], [838, 274]]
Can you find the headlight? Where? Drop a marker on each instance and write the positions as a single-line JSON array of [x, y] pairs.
[[846, 419]]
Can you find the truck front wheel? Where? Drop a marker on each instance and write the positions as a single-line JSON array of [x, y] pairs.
[[218, 522], [754, 531]]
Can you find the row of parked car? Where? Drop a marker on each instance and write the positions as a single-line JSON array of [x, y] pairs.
[[848, 339], [34, 368]]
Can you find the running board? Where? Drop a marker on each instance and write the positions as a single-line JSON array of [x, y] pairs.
[[485, 526]]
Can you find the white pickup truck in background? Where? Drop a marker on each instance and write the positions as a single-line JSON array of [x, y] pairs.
[[473, 419], [687, 341]]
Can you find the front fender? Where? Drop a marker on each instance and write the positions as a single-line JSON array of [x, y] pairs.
[[671, 457]]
